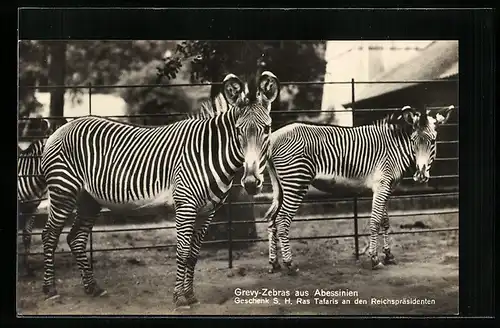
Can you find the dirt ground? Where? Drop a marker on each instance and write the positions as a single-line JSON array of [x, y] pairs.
[[140, 282]]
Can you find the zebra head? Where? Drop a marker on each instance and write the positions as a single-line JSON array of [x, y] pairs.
[[424, 127], [251, 102]]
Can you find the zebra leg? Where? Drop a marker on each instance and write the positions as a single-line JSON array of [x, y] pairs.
[[185, 218], [77, 240], [50, 239], [272, 234], [379, 204], [283, 233], [389, 258], [273, 248], [62, 204], [27, 231], [196, 243], [293, 193]]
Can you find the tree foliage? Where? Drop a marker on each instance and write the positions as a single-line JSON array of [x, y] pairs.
[[96, 62], [107, 62], [289, 60], [152, 100], [104, 62]]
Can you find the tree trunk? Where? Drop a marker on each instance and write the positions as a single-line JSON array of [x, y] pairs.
[[57, 74]]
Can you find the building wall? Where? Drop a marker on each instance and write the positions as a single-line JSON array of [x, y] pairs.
[[363, 61]]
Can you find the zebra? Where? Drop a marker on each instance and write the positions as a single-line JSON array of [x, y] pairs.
[[189, 165], [373, 156], [31, 188]]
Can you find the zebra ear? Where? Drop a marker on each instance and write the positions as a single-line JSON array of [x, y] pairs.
[[442, 115], [395, 118], [269, 87], [48, 127], [410, 115], [232, 88]]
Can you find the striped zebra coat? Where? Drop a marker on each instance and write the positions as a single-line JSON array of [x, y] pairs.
[[31, 185], [189, 165], [31, 188], [373, 156]]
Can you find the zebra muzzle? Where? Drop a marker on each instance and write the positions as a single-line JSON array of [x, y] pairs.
[[421, 177], [252, 184]]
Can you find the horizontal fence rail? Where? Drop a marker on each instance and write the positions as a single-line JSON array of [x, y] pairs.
[[313, 219], [170, 85], [274, 112], [229, 223], [254, 240]]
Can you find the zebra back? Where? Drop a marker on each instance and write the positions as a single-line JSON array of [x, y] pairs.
[[394, 121]]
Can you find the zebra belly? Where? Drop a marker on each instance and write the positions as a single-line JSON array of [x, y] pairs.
[[327, 182], [163, 198]]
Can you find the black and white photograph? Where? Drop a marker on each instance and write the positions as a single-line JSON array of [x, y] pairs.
[[238, 177]]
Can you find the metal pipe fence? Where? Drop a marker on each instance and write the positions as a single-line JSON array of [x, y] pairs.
[[230, 241]]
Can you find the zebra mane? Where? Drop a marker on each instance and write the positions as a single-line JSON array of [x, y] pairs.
[[388, 119], [394, 121], [212, 107]]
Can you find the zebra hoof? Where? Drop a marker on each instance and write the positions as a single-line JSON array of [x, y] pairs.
[[192, 300], [275, 267], [50, 293], [389, 258], [102, 293], [95, 291], [52, 298], [182, 307], [181, 303], [390, 261], [377, 266], [292, 269]]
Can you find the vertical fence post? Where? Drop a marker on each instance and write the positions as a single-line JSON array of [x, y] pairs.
[[229, 232], [355, 200], [91, 241]]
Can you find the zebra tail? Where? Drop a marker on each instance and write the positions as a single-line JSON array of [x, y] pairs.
[[42, 176], [277, 192]]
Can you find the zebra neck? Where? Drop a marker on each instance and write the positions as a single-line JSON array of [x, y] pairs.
[[402, 145], [229, 157]]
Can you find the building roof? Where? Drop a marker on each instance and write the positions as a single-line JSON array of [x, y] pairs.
[[453, 70], [438, 61]]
